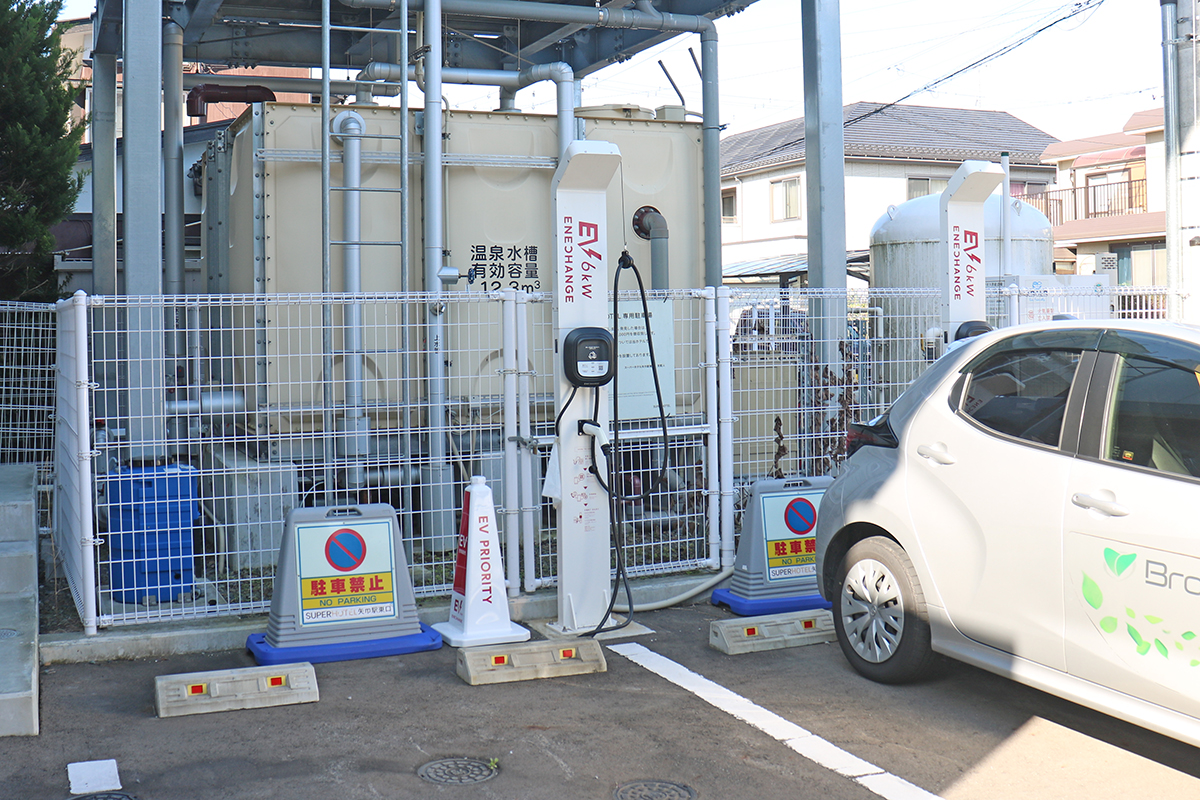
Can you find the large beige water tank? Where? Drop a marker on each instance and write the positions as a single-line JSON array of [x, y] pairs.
[[498, 235]]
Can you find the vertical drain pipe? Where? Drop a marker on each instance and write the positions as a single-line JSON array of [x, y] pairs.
[[438, 490], [1172, 212], [711, 155], [172, 146], [406, 491], [1006, 218], [328, 445], [173, 160], [355, 424]]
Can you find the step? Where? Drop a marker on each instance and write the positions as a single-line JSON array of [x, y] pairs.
[[18, 503], [18, 601], [18, 665], [18, 568]]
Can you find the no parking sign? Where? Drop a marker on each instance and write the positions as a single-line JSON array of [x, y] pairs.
[[342, 590], [789, 520], [347, 570], [776, 567]]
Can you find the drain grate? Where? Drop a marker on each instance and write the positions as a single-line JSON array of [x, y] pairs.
[[457, 771], [654, 790], [8, 633]]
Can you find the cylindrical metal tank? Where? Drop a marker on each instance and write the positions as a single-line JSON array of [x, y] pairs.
[[907, 253], [906, 242]]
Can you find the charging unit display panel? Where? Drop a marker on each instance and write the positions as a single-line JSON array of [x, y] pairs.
[[588, 356]]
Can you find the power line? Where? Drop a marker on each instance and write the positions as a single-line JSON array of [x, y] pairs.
[[1076, 9]]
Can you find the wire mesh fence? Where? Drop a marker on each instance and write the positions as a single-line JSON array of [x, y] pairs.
[[206, 419], [27, 402]]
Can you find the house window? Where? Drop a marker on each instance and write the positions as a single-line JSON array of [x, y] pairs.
[[1026, 188], [919, 187], [729, 205], [785, 199]]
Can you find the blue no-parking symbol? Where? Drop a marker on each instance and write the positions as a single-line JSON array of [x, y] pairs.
[[800, 516], [345, 550]]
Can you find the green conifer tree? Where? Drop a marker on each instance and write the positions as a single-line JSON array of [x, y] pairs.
[[39, 145]]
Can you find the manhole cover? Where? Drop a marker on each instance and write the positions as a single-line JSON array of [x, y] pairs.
[[654, 790], [105, 796], [7, 633], [457, 771]]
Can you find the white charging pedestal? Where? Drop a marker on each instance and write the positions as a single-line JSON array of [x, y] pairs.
[[964, 280], [581, 235]]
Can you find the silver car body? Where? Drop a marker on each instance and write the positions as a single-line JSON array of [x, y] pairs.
[[1063, 570]]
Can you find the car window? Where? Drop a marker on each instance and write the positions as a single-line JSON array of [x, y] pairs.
[[1154, 419], [1022, 394]]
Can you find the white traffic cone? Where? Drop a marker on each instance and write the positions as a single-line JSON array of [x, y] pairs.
[[479, 604]]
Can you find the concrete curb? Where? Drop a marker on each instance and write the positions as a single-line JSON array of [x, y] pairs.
[[229, 633]]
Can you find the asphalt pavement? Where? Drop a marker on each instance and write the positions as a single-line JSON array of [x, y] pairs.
[[671, 717]]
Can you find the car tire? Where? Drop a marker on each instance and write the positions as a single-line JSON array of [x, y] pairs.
[[879, 613]]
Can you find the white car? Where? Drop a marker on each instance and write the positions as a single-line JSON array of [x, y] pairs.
[[1029, 505]]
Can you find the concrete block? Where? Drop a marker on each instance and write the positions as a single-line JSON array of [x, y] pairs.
[[18, 665], [18, 568], [18, 502], [234, 689], [771, 631], [529, 660]]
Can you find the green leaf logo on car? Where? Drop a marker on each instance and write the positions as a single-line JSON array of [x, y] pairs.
[[1158, 639], [1118, 562]]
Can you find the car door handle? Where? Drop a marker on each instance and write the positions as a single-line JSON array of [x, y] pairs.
[[1109, 507], [936, 454]]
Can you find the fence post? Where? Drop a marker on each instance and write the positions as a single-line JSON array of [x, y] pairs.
[[1014, 304], [725, 423], [80, 449]]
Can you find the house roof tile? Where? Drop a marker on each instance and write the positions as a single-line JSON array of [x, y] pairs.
[[880, 130]]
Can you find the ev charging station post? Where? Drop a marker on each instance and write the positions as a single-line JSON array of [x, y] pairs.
[[580, 189], [964, 279]]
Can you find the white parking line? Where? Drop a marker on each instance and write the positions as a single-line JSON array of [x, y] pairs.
[[804, 742]]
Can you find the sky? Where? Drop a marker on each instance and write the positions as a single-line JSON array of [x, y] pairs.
[[1077, 78]]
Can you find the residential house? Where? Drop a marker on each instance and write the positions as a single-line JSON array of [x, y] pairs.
[[1107, 203], [894, 153]]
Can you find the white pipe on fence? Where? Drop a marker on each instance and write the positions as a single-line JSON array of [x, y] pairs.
[[528, 452], [512, 519], [713, 438], [725, 423]]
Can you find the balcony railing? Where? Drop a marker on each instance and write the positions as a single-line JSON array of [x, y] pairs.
[[1089, 202]]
